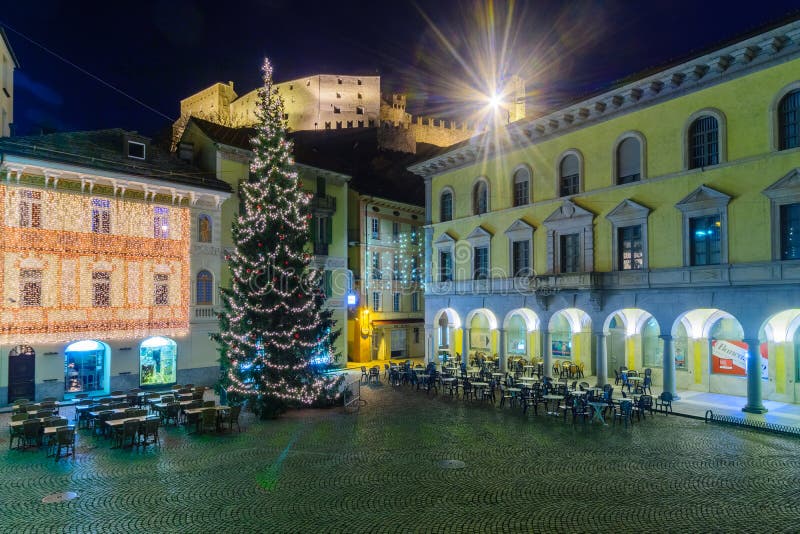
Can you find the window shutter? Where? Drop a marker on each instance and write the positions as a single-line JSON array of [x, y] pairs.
[[328, 230]]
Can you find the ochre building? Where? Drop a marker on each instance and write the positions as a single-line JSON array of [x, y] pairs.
[[656, 225]]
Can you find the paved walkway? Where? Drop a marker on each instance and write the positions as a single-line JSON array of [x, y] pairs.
[[379, 470]]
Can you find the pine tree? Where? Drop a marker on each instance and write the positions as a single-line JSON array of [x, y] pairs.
[[273, 327]]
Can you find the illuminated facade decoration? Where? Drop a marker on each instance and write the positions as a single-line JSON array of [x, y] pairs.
[[660, 224], [386, 254], [106, 256]]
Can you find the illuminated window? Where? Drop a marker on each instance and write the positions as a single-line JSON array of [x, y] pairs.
[[790, 231], [204, 229], [101, 216], [376, 301], [158, 361], [376, 266], [101, 289], [396, 302], [205, 288], [30, 281], [161, 289], [30, 209], [630, 247], [376, 228], [160, 222], [85, 365], [704, 235]]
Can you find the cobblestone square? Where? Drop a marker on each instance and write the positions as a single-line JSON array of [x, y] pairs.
[[378, 470]]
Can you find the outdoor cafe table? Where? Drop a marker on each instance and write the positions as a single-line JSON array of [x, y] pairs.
[[498, 376], [527, 380], [526, 368], [555, 399], [220, 408], [479, 386], [473, 371], [597, 411]]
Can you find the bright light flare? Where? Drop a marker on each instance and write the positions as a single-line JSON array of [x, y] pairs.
[[495, 101]]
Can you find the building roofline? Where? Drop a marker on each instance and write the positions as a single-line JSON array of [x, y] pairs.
[[10, 50], [746, 55]]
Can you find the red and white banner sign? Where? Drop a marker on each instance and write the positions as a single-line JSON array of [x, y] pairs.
[[730, 358]]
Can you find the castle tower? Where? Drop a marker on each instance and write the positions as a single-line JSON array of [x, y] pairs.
[[516, 95]]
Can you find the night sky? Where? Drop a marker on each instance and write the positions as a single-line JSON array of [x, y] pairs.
[[161, 51]]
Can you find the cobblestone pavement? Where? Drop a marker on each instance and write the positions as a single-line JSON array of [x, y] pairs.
[[377, 471]]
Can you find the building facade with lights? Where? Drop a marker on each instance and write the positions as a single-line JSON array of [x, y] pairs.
[[385, 254], [226, 152], [110, 261], [655, 225]]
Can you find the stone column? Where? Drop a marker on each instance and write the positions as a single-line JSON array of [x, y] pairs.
[[501, 349], [668, 364], [601, 359], [431, 355], [546, 355], [465, 346], [754, 404]]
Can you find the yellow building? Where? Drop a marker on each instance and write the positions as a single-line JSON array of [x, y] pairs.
[[656, 225], [385, 255], [109, 255], [8, 62], [226, 151]]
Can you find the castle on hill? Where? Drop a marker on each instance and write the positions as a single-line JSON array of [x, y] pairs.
[[338, 102]]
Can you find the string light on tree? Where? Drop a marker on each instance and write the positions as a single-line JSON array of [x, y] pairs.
[[274, 330]]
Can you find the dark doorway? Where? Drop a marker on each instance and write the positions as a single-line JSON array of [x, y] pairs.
[[21, 373]]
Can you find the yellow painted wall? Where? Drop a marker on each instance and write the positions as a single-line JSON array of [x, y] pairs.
[[751, 167]]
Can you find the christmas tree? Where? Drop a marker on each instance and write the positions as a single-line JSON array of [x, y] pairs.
[[274, 330]]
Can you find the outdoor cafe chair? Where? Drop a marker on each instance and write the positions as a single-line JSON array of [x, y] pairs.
[[65, 439], [664, 402], [129, 433], [31, 433], [231, 417], [466, 390], [148, 429], [364, 374], [208, 420], [16, 432], [625, 412]]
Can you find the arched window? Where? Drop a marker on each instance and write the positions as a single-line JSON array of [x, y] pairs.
[[569, 178], [158, 361], [788, 120], [205, 288], [204, 229], [704, 142], [446, 206], [629, 161], [480, 198], [522, 179]]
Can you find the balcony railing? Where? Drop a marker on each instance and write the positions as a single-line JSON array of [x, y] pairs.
[[323, 203]]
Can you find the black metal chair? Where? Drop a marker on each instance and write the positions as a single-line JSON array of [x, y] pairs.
[[664, 402]]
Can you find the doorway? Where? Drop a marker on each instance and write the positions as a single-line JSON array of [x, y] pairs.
[[21, 373]]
